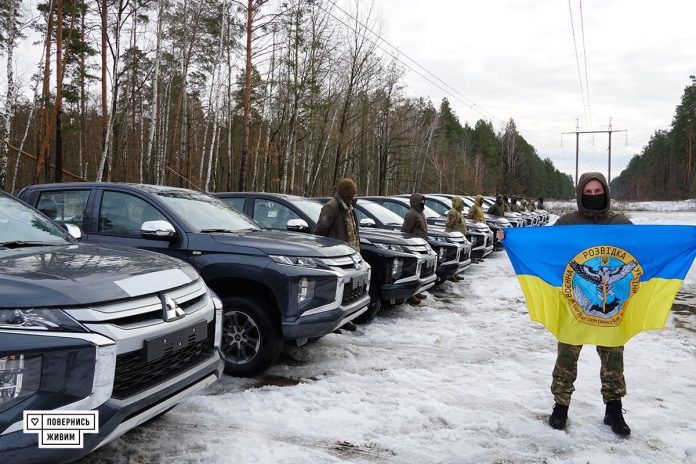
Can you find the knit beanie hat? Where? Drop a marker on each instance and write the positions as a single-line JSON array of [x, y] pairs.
[[346, 189]]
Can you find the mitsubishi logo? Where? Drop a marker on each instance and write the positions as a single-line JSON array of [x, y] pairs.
[[356, 261], [170, 310]]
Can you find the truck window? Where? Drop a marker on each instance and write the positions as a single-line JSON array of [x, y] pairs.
[[64, 207], [123, 214], [397, 208], [235, 202], [272, 214]]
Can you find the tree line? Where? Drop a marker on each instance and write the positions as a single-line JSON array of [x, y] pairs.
[[240, 95], [664, 170]]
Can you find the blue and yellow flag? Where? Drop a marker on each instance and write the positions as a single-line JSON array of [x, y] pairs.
[[601, 285]]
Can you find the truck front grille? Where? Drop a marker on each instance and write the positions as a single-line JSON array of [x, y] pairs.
[[351, 295], [134, 374], [427, 270]]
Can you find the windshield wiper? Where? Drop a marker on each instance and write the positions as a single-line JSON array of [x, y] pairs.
[[212, 231], [23, 244]]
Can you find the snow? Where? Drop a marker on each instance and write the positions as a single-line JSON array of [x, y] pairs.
[[463, 378]]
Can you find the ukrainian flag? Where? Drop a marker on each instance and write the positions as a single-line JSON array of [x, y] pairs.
[[600, 285]]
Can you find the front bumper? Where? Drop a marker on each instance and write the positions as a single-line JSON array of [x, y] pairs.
[[116, 417], [319, 321], [403, 289]]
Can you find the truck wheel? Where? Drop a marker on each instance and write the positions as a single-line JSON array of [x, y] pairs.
[[375, 303], [251, 340]]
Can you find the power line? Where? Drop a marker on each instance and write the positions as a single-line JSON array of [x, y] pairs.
[[684, 113], [453, 92], [584, 55], [577, 60]]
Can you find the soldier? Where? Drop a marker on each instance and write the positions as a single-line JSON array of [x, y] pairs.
[[540, 203], [514, 207], [593, 208], [415, 223], [337, 218], [506, 204], [497, 208], [456, 223], [476, 210], [530, 205]]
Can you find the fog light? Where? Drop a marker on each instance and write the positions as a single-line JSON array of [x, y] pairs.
[[20, 376], [305, 290], [397, 267]]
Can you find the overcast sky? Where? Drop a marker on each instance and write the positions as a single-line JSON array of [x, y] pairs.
[[515, 58]]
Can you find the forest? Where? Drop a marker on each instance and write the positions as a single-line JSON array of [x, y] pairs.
[[226, 95], [664, 170]]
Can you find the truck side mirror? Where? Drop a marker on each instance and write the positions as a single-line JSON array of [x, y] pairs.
[[158, 230], [367, 222], [74, 231], [297, 225]]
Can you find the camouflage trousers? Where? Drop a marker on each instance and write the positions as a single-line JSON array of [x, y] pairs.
[[566, 371]]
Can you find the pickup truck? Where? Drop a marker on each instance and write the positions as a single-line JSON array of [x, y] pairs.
[[402, 265], [122, 333], [479, 236], [275, 286]]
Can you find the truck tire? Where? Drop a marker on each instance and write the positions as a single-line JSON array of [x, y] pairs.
[[375, 303], [251, 339]]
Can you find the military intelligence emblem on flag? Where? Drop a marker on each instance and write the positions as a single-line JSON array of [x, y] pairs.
[[599, 281]]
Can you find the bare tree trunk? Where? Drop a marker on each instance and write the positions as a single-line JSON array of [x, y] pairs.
[[155, 89], [11, 100], [246, 118], [213, 140], [104, 101], [59, 91], [41, 161]]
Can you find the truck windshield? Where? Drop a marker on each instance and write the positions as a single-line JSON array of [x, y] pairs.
[[21, 226], [207, 214], [383, 215]]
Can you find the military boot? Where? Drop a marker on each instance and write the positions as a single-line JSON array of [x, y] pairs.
[[421, 296], [559, 416], [614, 417], [413, 301]]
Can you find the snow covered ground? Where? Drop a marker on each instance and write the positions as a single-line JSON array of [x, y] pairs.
[[463, 378]]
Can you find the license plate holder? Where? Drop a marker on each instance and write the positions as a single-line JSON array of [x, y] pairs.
[[158, 347], [358, 282]]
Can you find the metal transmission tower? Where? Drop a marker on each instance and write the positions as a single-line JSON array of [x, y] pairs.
[[577, 133]]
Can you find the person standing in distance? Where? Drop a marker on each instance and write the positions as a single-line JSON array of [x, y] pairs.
[[415, 223], [337, 218]]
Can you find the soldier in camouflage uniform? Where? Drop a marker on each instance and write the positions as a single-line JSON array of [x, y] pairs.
[[476, 210], [506, 204], [456, 223], [497, 208], [593, 208]]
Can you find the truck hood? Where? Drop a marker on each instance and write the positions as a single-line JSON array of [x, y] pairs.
[[286, 243], [80, 274], [390, 237]]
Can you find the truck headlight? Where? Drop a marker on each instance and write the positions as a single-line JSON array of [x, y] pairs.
[[298, 261], [441, 253], [39, 319], [20, 376], [392, 247], [217, 304]]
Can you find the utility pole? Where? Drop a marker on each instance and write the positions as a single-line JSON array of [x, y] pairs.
[[577, 133]]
